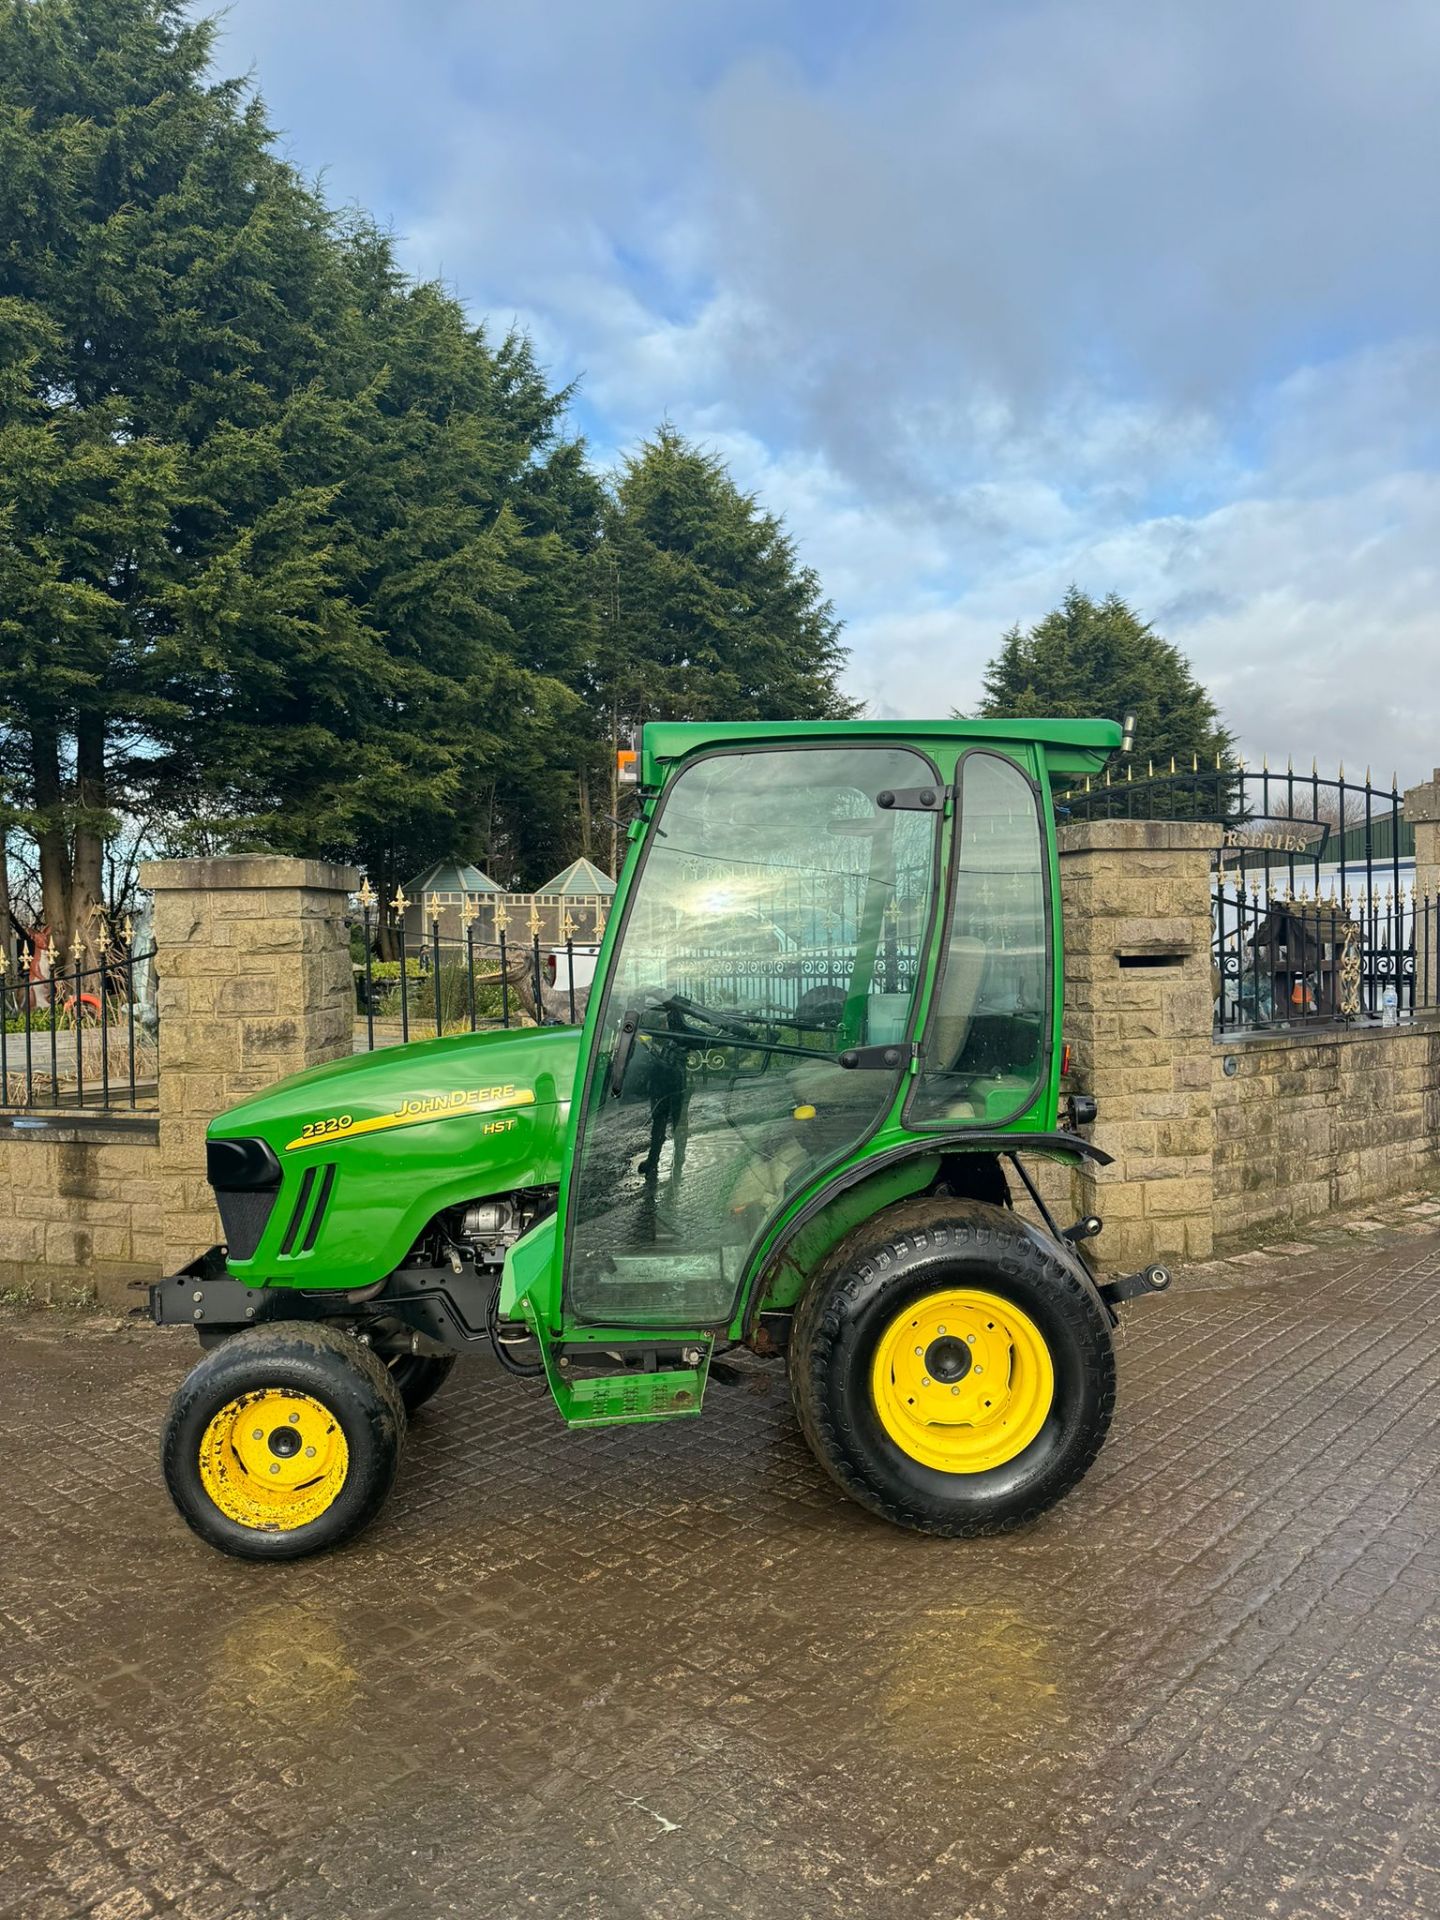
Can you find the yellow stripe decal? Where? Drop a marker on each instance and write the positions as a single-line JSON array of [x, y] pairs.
[[451, 1106]]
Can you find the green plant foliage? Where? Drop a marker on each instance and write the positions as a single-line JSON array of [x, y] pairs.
[[1098, 657], [285, 541]]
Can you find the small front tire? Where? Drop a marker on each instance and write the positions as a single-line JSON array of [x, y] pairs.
[[283, 1441]]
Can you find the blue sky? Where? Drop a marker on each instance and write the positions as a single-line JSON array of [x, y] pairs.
[[983, 296]]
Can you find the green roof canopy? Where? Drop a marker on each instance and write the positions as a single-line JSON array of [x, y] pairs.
[[581, 877], [451, 876]]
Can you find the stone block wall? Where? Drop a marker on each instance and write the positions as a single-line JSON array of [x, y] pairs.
[[1309, 1122], [80, 1206], [255, 982]]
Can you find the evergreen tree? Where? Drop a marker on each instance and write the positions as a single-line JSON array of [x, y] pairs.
[[283, 535], [707, 613], [290, 550], [1098, 658]]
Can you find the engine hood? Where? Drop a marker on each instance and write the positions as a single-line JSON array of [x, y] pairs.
[[369, 1149], [409, 1085]]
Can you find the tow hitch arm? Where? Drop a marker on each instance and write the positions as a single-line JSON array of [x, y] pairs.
[[1129, 1286]]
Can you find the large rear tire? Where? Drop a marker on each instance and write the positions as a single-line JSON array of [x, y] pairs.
[[283, 1441], [952, 1369]]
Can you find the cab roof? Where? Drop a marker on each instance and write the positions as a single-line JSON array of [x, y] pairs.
[[1071, 746]]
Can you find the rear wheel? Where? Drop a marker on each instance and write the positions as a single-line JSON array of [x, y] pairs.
[[283, 1441], [951, 1369]]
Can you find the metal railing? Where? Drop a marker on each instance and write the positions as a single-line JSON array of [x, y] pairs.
[[1315, 912], [440, 984], [1283, 960], [78, 1038], [1295, 829]]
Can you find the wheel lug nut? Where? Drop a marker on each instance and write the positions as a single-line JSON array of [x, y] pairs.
[[954, 1389], [919, 1349], [275, 1469], [970, 1338], [940, 1329], [979, 1369], [309, 1453], [294, 1419], [259, 1433]]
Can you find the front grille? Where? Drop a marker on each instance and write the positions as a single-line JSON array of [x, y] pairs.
[[243, 1216]]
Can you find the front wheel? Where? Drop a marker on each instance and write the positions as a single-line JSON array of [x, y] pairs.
[[283, 1441], [952, 1370]]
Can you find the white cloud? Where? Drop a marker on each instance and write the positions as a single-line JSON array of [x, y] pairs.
[[984, 299]]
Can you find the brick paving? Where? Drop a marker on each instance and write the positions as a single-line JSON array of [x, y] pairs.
[[667, 1672]]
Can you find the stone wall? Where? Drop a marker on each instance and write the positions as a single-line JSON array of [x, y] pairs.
[[254, 979], [1308, 1122], [80, 1206]]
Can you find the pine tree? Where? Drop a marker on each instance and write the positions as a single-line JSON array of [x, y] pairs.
[[1098, 658], [285, 539], [708, 613]]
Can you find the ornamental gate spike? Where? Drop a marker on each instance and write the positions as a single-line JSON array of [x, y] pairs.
[[399, 902], [502, 919], [534, 916], [432, 908], [365, 896]]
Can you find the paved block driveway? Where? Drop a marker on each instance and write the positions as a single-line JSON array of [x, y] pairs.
[[666, 1672]]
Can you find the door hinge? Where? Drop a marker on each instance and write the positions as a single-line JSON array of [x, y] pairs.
[[931, 799], [878, 1059]]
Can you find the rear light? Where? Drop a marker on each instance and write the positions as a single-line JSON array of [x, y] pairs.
[[1064, 1059]]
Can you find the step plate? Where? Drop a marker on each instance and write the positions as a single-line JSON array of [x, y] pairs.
[[609, 1400]]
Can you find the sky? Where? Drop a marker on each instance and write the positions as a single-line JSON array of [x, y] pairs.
[[983, 297]]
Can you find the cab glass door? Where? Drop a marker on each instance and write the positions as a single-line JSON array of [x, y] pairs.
[[778, 919]]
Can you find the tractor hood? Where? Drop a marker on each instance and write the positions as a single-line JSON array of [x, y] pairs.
[[360, 1154]]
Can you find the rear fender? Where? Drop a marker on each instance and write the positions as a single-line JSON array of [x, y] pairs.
[[855, 1195]]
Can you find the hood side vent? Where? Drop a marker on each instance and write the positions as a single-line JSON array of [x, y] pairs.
[[307, 1186], [322, 1200]]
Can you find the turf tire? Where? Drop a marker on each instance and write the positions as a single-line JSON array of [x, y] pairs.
[[901, 1256], [306, 1357]]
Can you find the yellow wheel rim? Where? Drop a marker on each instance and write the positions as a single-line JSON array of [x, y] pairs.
[[962, 1381], [273, 1460]]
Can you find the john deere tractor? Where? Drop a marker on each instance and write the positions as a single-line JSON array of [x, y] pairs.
[[822, 1048]]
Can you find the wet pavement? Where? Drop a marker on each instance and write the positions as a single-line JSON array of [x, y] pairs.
[[668, 1672]]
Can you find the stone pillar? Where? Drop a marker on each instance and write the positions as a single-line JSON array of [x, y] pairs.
[[1422, 812], [254, 983], [1139, 1017]]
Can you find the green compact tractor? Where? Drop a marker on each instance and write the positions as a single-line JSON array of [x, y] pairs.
[[824, 1037]]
